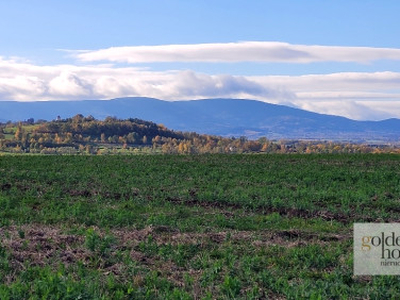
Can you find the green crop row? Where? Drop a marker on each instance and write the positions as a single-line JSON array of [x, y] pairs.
[[191, 227]]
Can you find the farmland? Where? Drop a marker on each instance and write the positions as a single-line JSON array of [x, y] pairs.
[[192, 226]]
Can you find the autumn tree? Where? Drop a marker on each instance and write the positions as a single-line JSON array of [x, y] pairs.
[[19, 132]]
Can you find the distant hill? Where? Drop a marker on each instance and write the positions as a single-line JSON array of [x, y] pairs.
[[225, 117]]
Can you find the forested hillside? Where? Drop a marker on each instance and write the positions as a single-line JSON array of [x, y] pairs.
[[88, 135], [222, 117]]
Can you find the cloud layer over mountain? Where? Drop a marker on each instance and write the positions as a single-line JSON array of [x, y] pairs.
[[358, 95]]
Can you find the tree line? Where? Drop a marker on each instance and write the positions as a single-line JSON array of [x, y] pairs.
[[81, 134]]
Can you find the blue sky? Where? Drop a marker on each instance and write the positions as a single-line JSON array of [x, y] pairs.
[[336, 57]]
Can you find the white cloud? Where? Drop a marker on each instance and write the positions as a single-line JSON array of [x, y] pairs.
[[197, 85], [70, 85], [348, 108], [239, 52], [355, 95], [89, 82], [19, 87]]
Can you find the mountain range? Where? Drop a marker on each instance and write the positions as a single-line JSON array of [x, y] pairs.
[[225, 117]]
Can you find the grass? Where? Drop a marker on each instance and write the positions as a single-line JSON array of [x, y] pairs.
[[191, 227]]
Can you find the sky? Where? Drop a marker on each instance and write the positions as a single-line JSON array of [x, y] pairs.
[[333, 57]]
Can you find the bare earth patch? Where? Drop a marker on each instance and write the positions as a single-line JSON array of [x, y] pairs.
[[44, 245]]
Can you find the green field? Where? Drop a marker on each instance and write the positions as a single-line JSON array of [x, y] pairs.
[[192, 227]]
